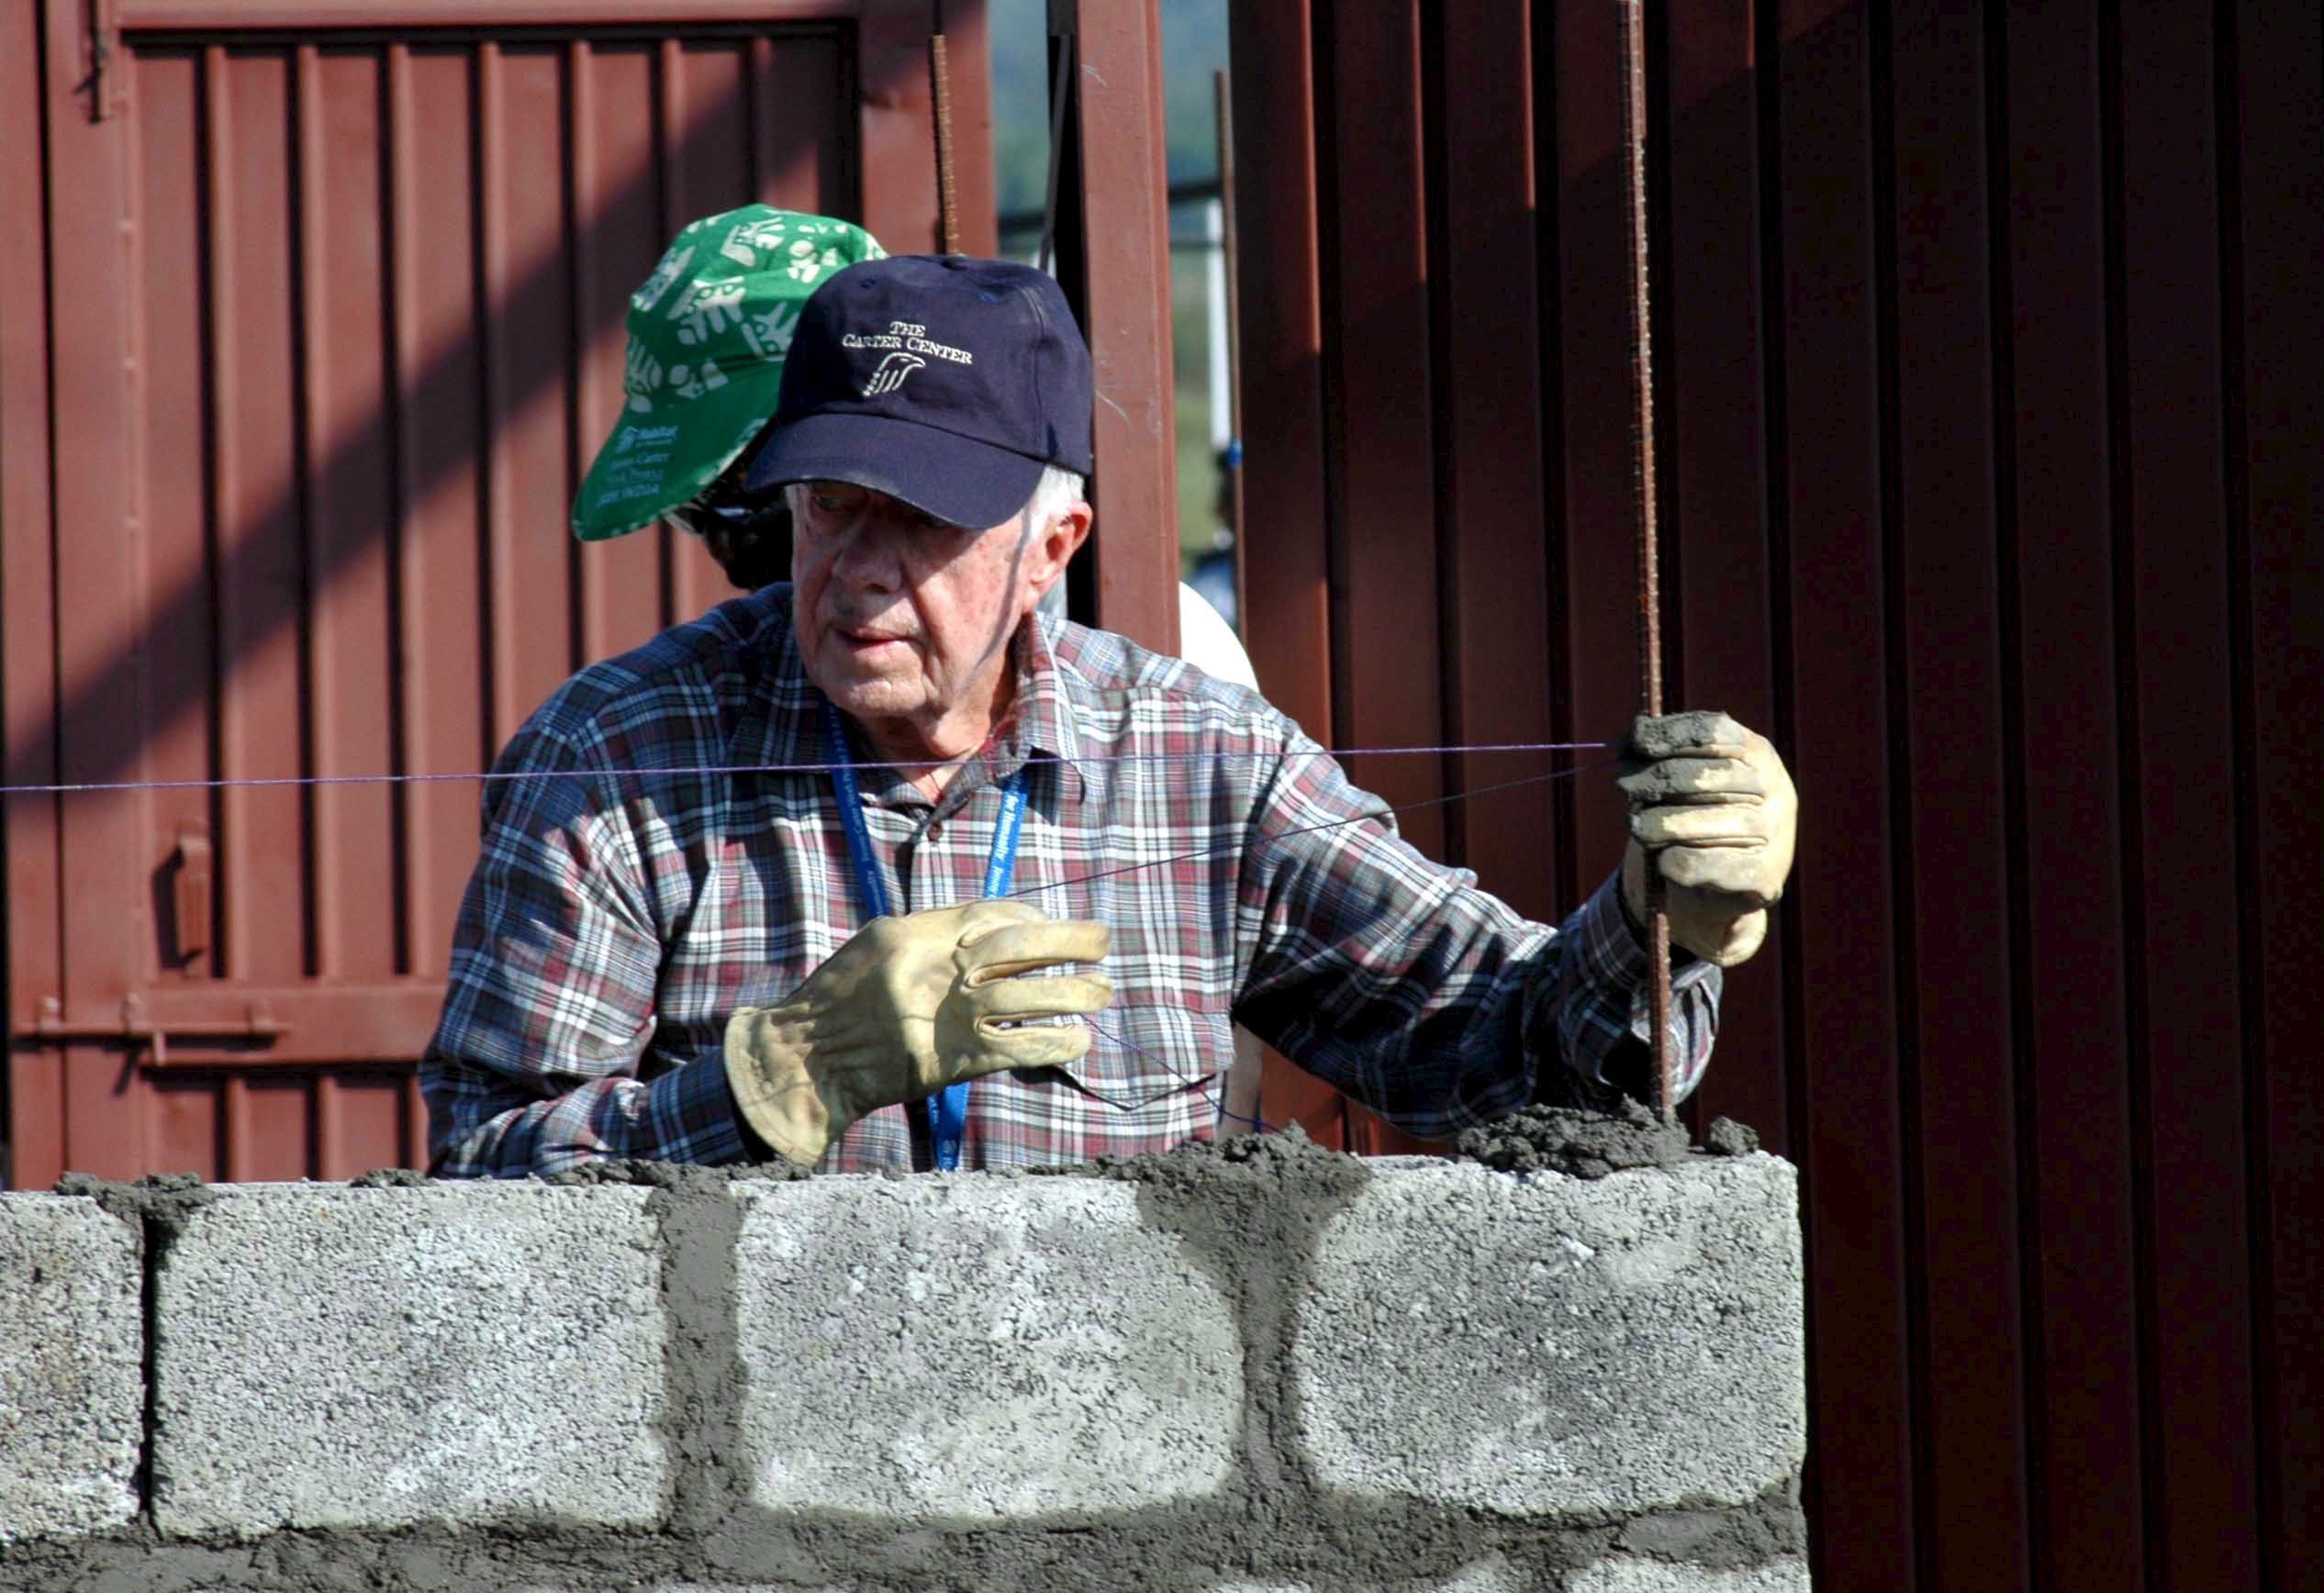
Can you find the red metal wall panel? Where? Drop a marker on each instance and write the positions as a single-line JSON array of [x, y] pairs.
[[1952, 880], [1833, 714], [1283, 383], [2072, 1040], [31, 939], [2175, 642], [1987, 383], [338, 325], [1124, 249], [1715, 500], [1484, 269], [2270, 61]]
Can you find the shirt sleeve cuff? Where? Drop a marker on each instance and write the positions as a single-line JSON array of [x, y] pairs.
[[1613, 954], [692, 1113]]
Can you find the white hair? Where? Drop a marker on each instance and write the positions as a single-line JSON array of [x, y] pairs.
[[1057, 490]]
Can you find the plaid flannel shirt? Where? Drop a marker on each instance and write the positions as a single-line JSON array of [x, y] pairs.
[[626, 904]]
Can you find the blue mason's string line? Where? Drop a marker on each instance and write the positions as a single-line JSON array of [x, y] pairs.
[[1373, 817], [495, 777], [1218, 1100], [948, 1110]]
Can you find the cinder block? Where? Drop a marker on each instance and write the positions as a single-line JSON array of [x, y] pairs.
[[457, 1355], [72, 1378], [1551, 1346], [969, 1348], [1788, 1574]]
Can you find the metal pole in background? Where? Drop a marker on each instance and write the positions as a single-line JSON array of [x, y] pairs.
[[947, 201], [1062, 25], [1634, 188]]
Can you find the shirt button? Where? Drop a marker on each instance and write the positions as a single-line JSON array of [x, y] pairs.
[[935, 829]]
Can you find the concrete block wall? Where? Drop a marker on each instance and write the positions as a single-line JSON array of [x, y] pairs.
[[1266, 1370]]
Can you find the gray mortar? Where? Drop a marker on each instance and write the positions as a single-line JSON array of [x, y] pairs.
[[1775, 1526], [631, 1171], [705, 1381], [157, 1200], [1250, 1211], [679, 1175], [156, 1207], [1590, 1144], [389, 1178]]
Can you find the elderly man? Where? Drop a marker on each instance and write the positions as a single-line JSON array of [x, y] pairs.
[[884, 869]]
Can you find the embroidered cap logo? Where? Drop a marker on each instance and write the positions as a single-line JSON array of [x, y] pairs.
[[890, 373]]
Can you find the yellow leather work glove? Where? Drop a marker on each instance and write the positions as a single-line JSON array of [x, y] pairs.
[[908, 1006], [1713, 806]]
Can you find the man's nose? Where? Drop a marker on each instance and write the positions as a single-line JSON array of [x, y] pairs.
[[872, 555]]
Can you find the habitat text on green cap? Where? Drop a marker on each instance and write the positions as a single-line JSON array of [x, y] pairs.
[[708, 333]]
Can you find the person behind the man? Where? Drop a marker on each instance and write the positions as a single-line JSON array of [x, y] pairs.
[[881, 869], [707, 333]]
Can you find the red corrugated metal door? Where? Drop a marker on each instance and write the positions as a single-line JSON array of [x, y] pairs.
[[333, 298]]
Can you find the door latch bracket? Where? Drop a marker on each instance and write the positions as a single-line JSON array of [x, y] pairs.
[[139, 1028]]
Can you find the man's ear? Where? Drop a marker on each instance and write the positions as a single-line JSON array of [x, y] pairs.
[[1046, 559]]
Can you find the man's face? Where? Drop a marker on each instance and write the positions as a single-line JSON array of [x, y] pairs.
[[902, 616]]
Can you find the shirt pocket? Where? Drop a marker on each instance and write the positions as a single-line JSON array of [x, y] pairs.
[[1142, 1052]]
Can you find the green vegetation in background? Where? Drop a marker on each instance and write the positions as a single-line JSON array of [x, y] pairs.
[[1193, 47]]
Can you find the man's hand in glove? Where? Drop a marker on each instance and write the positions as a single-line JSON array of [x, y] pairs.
[[1712, 806], [908, 1006]]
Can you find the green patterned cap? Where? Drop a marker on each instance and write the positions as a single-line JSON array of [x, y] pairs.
[[708, 333]]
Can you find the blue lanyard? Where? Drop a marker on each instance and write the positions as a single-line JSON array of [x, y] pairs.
[[948, 1107]]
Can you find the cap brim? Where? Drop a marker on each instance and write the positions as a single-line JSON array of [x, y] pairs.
[[674, 451], [953, 478]]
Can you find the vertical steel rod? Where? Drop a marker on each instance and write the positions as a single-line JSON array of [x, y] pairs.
[[948, 200], [1634, 187], [1064, 20]]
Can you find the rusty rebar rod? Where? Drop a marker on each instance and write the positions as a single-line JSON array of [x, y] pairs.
[[1633, 189], [947, 199]]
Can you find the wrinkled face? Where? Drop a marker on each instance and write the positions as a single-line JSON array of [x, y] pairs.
[[900, 616]]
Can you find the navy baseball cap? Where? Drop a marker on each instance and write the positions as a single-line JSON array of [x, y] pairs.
[[944, 381]]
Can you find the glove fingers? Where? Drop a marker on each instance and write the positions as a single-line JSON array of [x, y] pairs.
[[1731, 879], [1021, 947], [982, 919], [1059, 997], [1047, 1045], [1704, 733], [1725, 940], [1679, 779], [1716, 824]]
